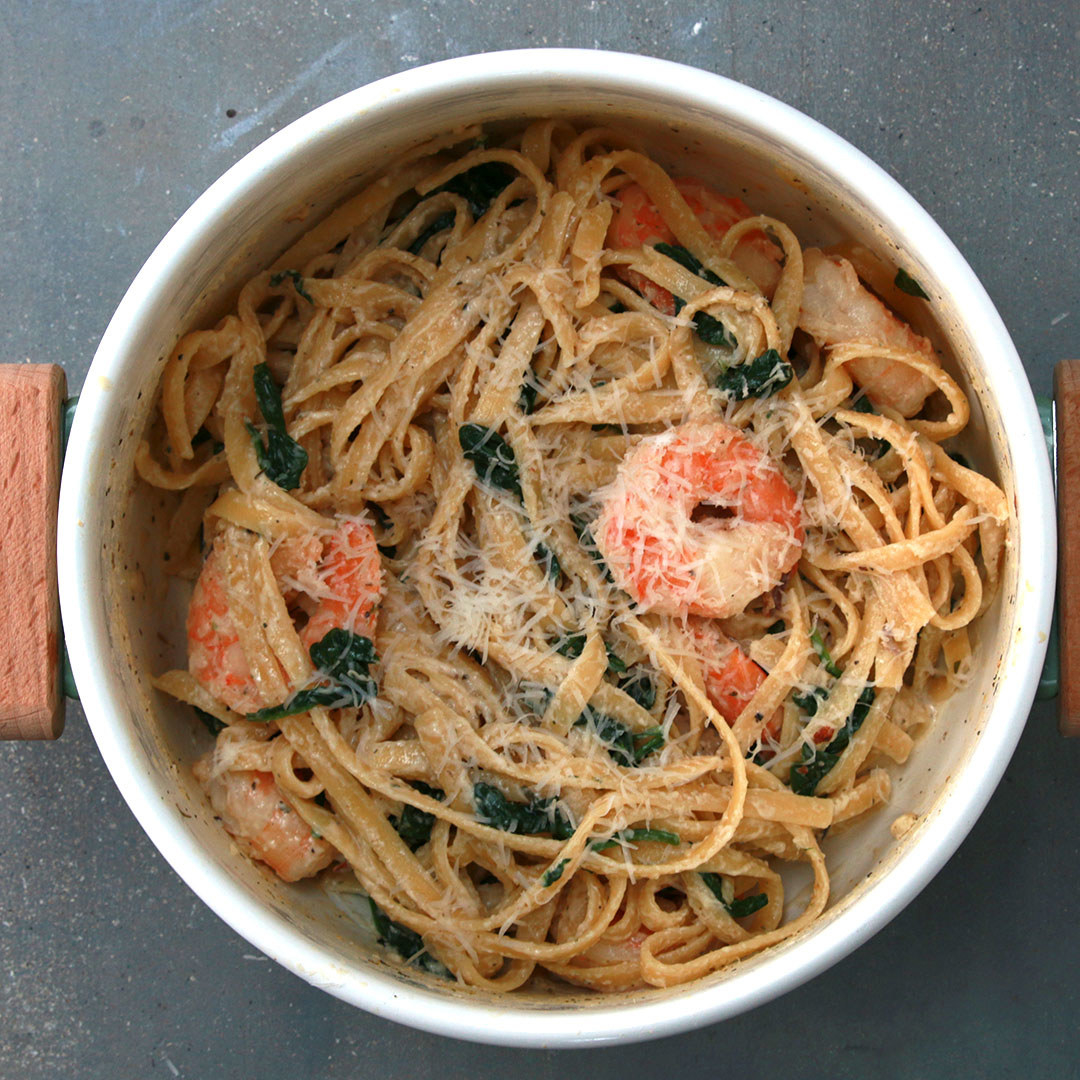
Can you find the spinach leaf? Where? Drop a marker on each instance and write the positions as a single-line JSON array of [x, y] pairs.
[[382, 519], [737, 909], [408, 944], [342, 658], [635, 836], [211, 722], [442, 222], [548, 560], [864, 405], [480, 185], [492, 457], [414, 825], [530, 389], [761, 377], [639, 685], [626, 747], [282, 458], [809, 702], [805, 778], [711, 330], [824, 655], [906, 283], [573, 645], [297, 280], [553, 875], [536, 816]]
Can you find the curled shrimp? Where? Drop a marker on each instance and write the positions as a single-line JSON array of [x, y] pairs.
[[255, 814], [699, 520], [837, 308], [638, 223], [336, 582]]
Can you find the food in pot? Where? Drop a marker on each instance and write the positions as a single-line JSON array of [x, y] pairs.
[[571, 550]]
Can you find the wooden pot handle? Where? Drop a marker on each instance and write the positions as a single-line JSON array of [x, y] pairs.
[[1067, 432], [31, 702]]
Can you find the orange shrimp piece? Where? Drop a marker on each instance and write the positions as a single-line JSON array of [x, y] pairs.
[[731, 677], [254, 813], [339, 579], [351, 585], [639, 223], [698, 520], [837, 308], [215, 656]]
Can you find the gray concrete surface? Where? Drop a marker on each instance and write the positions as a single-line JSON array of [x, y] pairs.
[[115, 114]]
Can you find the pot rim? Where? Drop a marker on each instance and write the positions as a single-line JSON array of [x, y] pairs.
[[816, 949]]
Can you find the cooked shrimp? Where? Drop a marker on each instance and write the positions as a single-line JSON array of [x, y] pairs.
[[263, 824], [638, 223], [351, 583], [338, 581], [731, 677], [837, 307], [215, 656], [698, 520]]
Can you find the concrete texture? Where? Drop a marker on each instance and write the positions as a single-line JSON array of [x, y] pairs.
[[115, 114]]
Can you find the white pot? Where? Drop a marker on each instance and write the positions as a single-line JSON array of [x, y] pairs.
[[122, 622]]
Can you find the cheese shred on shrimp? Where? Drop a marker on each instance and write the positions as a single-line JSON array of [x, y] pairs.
[[570, 550]]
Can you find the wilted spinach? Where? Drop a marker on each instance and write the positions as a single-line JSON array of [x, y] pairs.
[[408, 944], [282, 458], [341, 660], [816, 763], [761, 377], [492, 457], [737, 909]]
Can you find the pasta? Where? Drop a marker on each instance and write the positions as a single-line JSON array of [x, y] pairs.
[[572, 549]]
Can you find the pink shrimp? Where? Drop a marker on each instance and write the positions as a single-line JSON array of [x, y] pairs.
[[698, 520], [255, 815], [340, 581], [639, 223], [837, 308], [731, 677]]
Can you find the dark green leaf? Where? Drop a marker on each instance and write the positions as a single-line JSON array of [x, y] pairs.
[[713, 332], [408, 944], [536, 816], [548, 560], [906, 283], [282, 458], [777, 627], [385, 524], [637, 836], [441, 223], [553, 875], [480, 185], [492, 457], [573, 645], [617, 308], [639, 685], [213, 724], [823, 653], [626, 747], [530, 389], [297, 279], [414, 825], [809, 702], [342, 659], [737, 909], [760, 377], [805, 778]]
